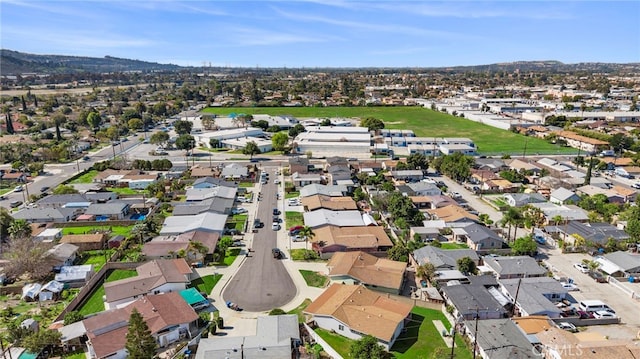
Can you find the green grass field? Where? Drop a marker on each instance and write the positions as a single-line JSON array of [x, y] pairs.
[[98, 258], [206, 283], [86, 178], [314, 279], [424, 122], [230, 256], [452, 245], [422, 339], [95, 304], [118, 230], [339, 343], [293, 219], [298, 310]]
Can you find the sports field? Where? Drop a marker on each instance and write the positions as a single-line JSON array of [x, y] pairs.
[[424, 122]]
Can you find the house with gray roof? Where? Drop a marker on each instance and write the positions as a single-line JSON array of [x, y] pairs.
[[338, 172], [100, 197], [276, 337], [210, 182], [208, 221], [114, 210], [465, 298], [598, 233], [63, 254], [523, 199], [324, 190], [217, 205], [562, 195], [234, 171], [201, 194], [500, 339], [514, 267], [60, 200], [566, 212], [620, 264], [424, 189], [407, 175], [306, 179], [322, 217], [536, 295], [45, 214], [442, 258], [477, 236]]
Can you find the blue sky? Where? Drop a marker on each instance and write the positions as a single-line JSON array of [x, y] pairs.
[[326, 33]]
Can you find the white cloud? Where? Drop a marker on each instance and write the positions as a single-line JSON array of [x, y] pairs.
[[246, 36], [475, 10]]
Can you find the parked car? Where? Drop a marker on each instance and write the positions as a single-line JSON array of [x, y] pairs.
[[295, 229], [570, 287], [276, 212], [298, 238], [15, 204], [277, 181], [603, 314], [44, 189], [257, 223], [238, 210], [567, 326], [581, 267], [277, 254], [86, 158], [18, 188], [275, 226], [598, 277]]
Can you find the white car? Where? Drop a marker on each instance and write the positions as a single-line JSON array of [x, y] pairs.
[[297, 238], [567, 326], [275, 226], [570, 287], [602, 314], [277, 181], [18, 188], [238, 210], [581, 267]]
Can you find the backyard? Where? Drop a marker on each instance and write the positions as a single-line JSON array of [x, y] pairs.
[[424, 122], [453, 245], [94, 303], [116, 230], [98, 258]]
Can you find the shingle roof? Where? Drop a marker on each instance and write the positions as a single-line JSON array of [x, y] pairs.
[[109, 208], [352, 237], [516, 265], [502, 339], [321, 217], [442, 258], [361, 309], [368, 269]]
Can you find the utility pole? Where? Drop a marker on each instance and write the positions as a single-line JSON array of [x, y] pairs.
[[515, 300], [453, 338], [475, 337]]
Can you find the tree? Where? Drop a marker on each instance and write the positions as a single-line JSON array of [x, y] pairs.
[[223, 244], [185, 142], [524, 246], [277, 311], [5, 223], [159, 138], [426, 271], [140, 343], [251, 148], [8, 120], [417, 161], [64, 189], [457, 166], [208, 122], [59, 119], [467, 265], [399, 252], [135, 124], [20, 228], [38, 341], [26, 256], [72, 317], [373, 124], [296, 130], [214, 143], [183, 127], [94, 120], [307, 233], [279, 141], [367, 347]]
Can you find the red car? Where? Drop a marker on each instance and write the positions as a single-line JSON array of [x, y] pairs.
[[295, 228]]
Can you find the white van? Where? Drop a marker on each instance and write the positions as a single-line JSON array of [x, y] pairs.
[[594, 306]]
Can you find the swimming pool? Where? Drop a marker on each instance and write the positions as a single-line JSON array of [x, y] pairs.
[[138, 217], [27, 355]]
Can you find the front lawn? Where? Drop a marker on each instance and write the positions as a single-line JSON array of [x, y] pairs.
[[205, 284], [421, 338], [453, 245], [299, 309], [86, 177], [117, 230], [230, 256], [314, 279], [246, 184], [304, 255], [95, 304], [294, 194], [293, 219], [339, 343]]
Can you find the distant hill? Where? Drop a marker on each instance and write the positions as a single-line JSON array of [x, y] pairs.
[[15, 63]]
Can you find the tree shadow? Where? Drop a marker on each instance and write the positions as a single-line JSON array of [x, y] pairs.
[[409, 334]]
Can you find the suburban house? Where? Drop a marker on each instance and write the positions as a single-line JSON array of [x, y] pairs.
[[407, 175], [154, 277], [216, 204], [86, 242], [75, 276], [234, 171], [620, 264], [201, 172], [201, 194], [423, 189], [114, 210], [477, 236], [322, 217], [169, 246], [590, 145], [534, 295], [167, 315], [211, 182], [562, 195], [523, 199], [47, 235], [567, 212], [325, 190], [598, 233], [304, 179], [208, 221], [338, 172], [559, 343], [354, 311], [298, 164], [312, 203], [61, 200], [331, 239], [45, 214], [441, 258], [514, 267], [480, 298], [63, 254], [277, 336], [452, 213], [425, 203], [611, 195], [500, 339], [375, 273]]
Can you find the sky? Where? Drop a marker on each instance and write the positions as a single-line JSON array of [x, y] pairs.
[[326, 33]]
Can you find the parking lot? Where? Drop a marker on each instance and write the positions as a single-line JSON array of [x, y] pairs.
[[626, 307]]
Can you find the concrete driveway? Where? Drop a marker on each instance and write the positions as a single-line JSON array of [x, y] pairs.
[[262, 283]]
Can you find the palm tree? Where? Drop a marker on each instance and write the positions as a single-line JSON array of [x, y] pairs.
[[307, 233], [19, 228], [557, 219], [426, 271], [510, 218]]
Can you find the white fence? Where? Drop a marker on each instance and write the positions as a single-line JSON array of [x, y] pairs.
[[616, 283], [327, 348]]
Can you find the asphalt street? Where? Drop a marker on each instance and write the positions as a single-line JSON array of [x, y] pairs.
[[262, 283]]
